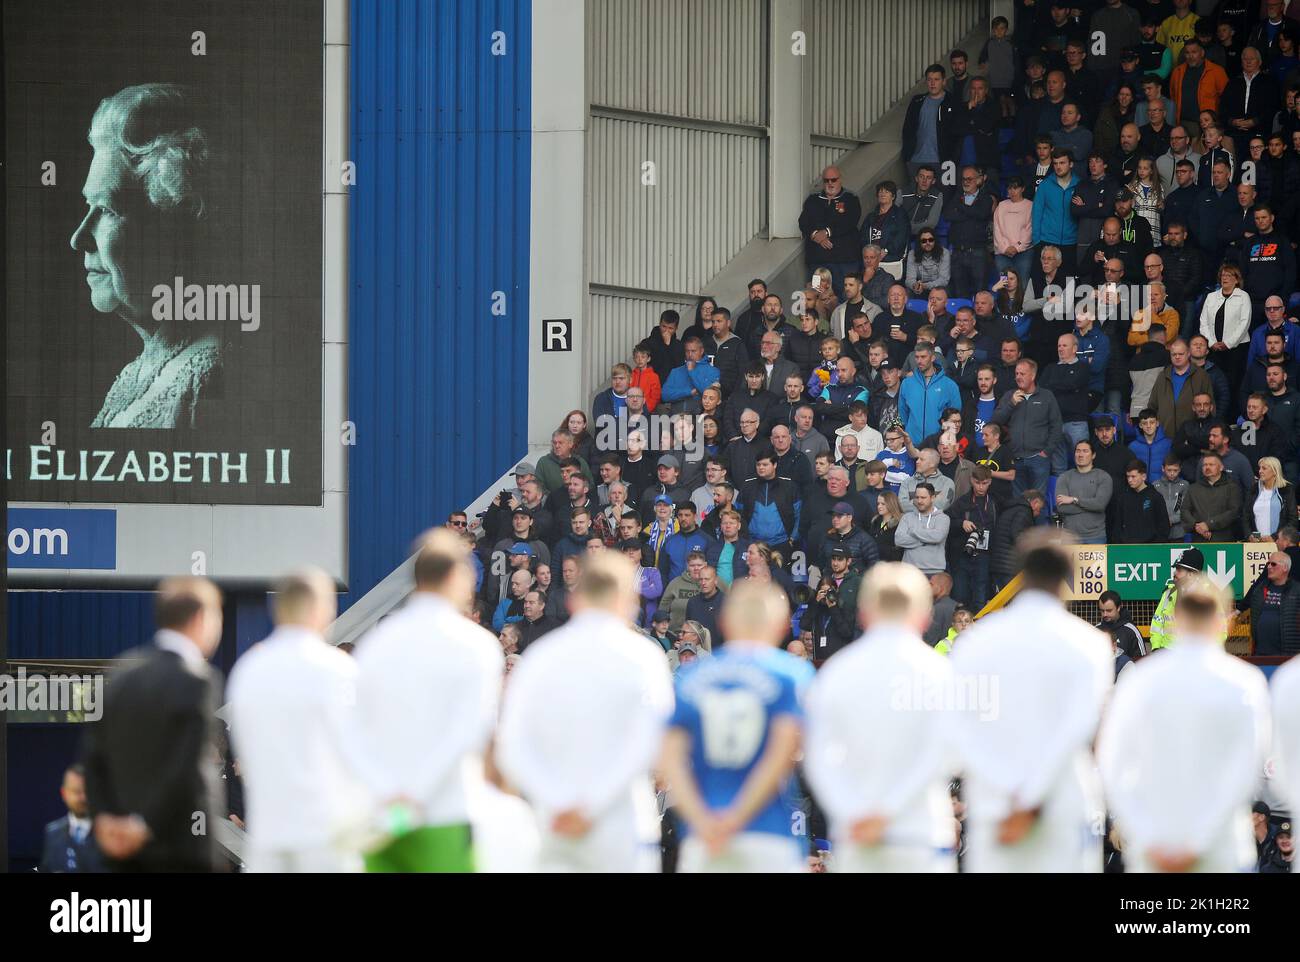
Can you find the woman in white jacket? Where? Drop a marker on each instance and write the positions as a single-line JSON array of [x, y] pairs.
[[1225, 322]]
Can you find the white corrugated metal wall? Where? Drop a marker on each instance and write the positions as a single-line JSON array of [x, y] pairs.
[[897, 40], [823, 156], [682, 84], [677, 233], [700, 59]]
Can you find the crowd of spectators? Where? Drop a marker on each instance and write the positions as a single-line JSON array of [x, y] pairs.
[[1080, 311]]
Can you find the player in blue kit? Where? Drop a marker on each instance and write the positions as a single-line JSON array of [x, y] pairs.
[[733, 739]]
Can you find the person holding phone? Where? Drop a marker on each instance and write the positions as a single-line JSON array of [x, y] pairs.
[[828, 224]]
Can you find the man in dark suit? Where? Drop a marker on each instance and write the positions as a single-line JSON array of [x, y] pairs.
[[151, 773], [69, 845]]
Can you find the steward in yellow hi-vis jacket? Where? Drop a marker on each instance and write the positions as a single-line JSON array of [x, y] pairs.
[[1190, 561]]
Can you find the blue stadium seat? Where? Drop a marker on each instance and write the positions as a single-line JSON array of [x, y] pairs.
[[1050, 494], [956, 302], [918, 306]]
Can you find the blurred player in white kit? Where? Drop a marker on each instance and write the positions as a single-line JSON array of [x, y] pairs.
[[1182, 746], [877, 752], [1286, 731], [428, 689], [582, 725], [1033, 802]]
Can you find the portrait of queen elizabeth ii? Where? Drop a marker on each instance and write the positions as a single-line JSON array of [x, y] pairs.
[[146, 208]]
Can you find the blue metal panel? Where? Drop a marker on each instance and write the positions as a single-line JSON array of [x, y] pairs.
[[77, 624], [437, 383]]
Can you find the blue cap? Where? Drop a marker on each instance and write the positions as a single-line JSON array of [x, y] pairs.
[[520, 547], [663, 499]]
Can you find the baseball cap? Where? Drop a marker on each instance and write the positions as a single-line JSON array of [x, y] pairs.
[[1193, 560], [842, 507], [524, 467], [521, 510], [839, 551], [885, 363], [669, 461], [520, 547], [685, 648], [663, 499], [1284, 828], [1129, 53]]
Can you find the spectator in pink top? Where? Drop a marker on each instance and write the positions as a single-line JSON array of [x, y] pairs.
[[1013, 230]]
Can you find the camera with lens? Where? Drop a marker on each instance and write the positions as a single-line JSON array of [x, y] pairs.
[[973, 541], [832, 597], [503, 496]]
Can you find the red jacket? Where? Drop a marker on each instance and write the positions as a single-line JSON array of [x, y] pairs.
[[648, 381]]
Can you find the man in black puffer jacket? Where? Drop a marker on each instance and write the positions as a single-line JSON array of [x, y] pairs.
[[804, 346], [1015, 518]]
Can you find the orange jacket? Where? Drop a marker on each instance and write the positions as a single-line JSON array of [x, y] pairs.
[[1208, 91], [648, 381]]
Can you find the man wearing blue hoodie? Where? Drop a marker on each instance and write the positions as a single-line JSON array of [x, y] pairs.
[[924, 396], [1151, 445], [686, 383], [1051, 220]]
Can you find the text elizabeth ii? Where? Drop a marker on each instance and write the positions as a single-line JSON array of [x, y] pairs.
[[46, 463]]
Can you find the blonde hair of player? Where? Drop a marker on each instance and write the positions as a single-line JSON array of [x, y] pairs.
[[755, 611], [607, 582], [1200, 611], [306, 598], [895, 592], [442, 567]]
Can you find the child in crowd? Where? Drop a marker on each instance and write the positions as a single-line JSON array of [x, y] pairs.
[[1173, 489], [825, 373], [899, 462], [999, 54], [644, 377]]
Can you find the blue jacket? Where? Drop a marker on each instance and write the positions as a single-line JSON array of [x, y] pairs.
[[1291, 346], [681, 381], [921, 402], [1051, 218], [771, 509], [672, 560], [1153, 454], [602, 405], [1094, 347]]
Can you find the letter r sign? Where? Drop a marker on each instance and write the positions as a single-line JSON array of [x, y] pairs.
[[557, 334]]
